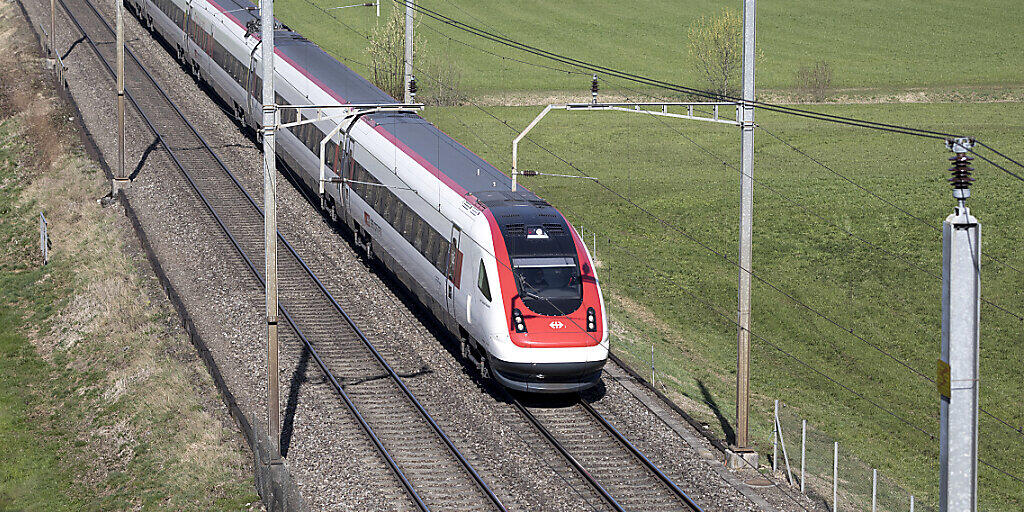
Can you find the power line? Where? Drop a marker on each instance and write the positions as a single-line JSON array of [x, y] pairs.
[[873, 194], [992, 149], [852, 121], [726, 258], [503, 57], [733, 322], [876, 347], [667, 85], [997, 166]]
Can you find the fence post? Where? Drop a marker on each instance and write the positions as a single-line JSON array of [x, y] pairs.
[[775, 438], [785, 454], [911, 503], [835, 476], [874, 490], [652, 365], [44, 238], [803, 452], [595, 246]]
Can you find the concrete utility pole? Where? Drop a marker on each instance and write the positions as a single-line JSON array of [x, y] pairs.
[[120, 180], [408, 50], [958, 369], [746, 229], [270, 225]]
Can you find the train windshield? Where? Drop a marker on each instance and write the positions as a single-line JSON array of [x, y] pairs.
[[549, 286]]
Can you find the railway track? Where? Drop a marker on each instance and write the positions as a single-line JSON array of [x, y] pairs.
[[424, 461], [619, 474]]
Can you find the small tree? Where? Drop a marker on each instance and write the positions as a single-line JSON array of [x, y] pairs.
[[815, 80], [446, 86], [387, 54], [716, 48]]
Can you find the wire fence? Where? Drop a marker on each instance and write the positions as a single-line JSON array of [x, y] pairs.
[[816, 464]]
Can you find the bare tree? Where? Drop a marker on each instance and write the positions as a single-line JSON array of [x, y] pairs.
[[816, 80], [440, 79], [445, 87], [387, 54], [716, 48]]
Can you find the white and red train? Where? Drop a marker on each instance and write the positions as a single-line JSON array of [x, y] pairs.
[[501, 269]]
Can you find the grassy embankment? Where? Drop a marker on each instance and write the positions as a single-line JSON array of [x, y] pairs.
[[882, 46], [103, 404], [650, 273]]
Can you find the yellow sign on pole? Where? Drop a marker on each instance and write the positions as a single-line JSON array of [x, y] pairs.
[[942, 378]]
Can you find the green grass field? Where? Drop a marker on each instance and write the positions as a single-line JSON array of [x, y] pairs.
[[876, 44], [81, 428], [651, 273], [665, 289]]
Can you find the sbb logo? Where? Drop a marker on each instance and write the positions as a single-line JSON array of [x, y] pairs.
[[556, 325]]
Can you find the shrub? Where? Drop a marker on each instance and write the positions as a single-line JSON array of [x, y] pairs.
[[445, 83], [815, 80]]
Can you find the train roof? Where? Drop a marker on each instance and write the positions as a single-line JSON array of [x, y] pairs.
[[484, 182], [460, 164]]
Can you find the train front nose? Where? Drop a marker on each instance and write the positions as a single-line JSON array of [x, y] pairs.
[[560, 377]]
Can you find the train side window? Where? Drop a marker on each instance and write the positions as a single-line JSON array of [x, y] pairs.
[[386, 200], [428, 244], [397, 216], [441, 256], [418, 228], [371, 193], [483, 283], [409, 226]]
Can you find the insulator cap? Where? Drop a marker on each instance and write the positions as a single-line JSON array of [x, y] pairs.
[[961, 171], [593, 85], [412, 85]]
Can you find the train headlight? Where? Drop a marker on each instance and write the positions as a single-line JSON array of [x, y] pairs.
[[591, 320], [517, 321]]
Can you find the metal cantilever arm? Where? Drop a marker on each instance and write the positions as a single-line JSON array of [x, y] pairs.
[[348, 120], [622, 107]]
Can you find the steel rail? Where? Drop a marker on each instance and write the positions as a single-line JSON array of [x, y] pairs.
[[308, 344], [567, 456], [620, 439], [640, 456], [298, 331]]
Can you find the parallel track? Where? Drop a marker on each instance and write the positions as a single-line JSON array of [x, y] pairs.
[[617, 472], [431, 470]]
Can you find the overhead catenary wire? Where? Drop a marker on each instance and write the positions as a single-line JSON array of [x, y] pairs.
[[791, 297], [889, 203], [592, 67], [726, 258], [731, 320], [820, 217]]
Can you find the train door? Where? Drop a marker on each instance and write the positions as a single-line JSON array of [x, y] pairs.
[[184, 49], [251, 89], [454, 272], [346, 173]]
